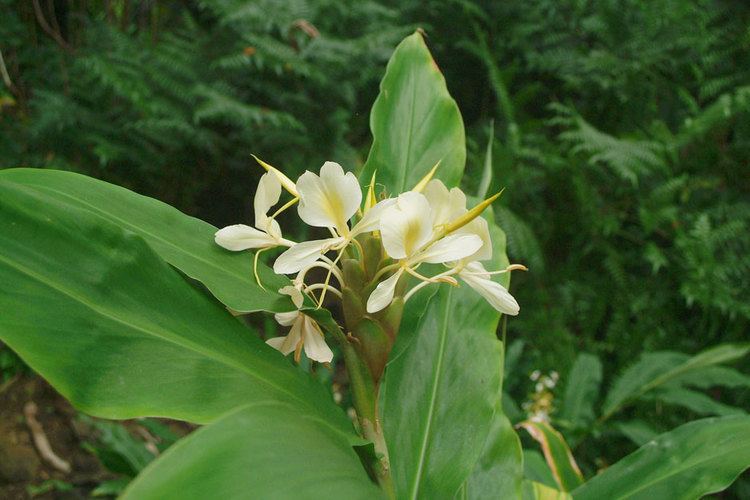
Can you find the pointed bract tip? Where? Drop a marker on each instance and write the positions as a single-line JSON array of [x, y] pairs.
[[427, 178], [285, 181]]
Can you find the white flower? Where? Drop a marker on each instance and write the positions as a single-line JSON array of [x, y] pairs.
[[328, 200], [477, 277], [305, 332], [266, 233], [406, 229]]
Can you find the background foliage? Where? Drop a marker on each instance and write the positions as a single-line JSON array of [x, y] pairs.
[[621, 133]]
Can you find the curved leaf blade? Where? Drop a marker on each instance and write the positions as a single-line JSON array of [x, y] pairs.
[[185, 242], [582, 390], [119, 332], [557, 454], [415, 123], [696, 459], [257, 451]]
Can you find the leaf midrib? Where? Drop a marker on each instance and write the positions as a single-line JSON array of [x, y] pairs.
[[153, 332], [433, 398]]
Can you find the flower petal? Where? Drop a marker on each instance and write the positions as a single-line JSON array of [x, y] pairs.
[[405, 226], [289, 343], [479, 227], [371, 220], [302, 255], [452, 247], [242, 237], [382, 296], [294, 293], [494, 293], [315, 343], [266, 196], [328, 200], [446, 205], [286, 318]]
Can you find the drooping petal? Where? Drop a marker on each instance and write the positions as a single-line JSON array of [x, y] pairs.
[[266, 196], [382, 296], [314, 342], [446, 205], [294, 293], [371, 220], [289, 343], [480, 228], [452, 247], [328, 200], [241, 237], [494, 293], [303, 254], [406, 225], [286, 318]]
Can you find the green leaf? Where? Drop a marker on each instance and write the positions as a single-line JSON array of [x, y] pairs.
[[535, 468], [557, 454], [266, 450], [582, 390], [637, 431], [484, 182], [499, 471], [539, 491], [415, 123], [120, 333], [696, 459], [658, 368], [185, 242], [440, 394], [694, 401]]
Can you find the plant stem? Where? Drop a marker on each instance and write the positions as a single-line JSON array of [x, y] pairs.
[[365, 397]]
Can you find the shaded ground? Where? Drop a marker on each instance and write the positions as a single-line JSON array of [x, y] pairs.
[[25, 473]]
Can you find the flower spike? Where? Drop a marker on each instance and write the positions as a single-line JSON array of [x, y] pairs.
[[286, 182]]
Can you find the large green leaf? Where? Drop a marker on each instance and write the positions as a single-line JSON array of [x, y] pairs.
[[656, 369], [441, 392], [120, 333], [499, 471], [415, 123], [258, 451], [185, 242], [696, 459], [557, 454]]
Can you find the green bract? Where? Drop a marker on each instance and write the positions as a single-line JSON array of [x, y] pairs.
[[128, 306]]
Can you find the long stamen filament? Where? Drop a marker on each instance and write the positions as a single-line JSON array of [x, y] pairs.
[[435, 279], [330, 267], [385, 270], [328, 278], [322, 286], [255, 267]]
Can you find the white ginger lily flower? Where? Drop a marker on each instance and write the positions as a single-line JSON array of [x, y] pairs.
[[305, 332], [266, 233], [406, 229], [327, 200], [478, 278]]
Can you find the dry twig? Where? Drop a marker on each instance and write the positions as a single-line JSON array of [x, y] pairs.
[[40, 439]]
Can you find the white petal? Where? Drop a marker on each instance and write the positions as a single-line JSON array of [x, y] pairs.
[[266, 196], [315, 343], [406, 225], [479, 227], [371, 220], [286, 318], [382, 296], [452, 247], [328, 200], [242, 237], [494, 293], [289, 343], [476, 268], [446, 205], [294, 293], [302, 255]]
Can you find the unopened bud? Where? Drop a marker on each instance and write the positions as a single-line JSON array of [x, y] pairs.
[[427, 178], [285, 181]]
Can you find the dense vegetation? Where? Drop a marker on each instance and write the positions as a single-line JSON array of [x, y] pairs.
[[621, 134]]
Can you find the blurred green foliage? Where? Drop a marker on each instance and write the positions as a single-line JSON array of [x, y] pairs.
[[621, 132]]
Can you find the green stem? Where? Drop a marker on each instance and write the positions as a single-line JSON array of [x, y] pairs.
[[365, 397]]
